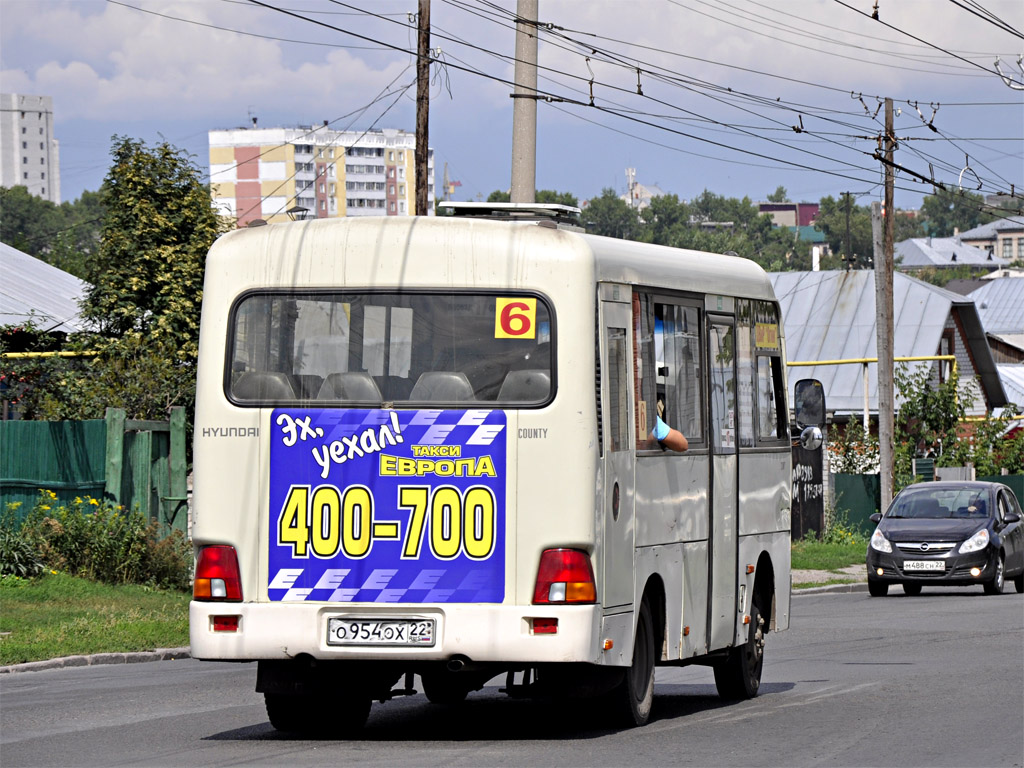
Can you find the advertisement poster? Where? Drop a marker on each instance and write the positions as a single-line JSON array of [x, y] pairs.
[[382, 506]]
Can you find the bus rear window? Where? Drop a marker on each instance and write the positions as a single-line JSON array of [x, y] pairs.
[[366, 349]]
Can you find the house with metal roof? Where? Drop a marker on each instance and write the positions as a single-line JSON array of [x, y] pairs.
[[1003, 237], [831, 316], [32, 290], [942, 253], [1000, 305]]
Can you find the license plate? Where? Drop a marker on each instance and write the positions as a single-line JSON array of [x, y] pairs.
[[924, 565], [410, 632]]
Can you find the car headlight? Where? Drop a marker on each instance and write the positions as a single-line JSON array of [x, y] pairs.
[[976, 542], [879, 542]]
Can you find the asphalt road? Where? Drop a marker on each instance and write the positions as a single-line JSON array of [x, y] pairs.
[[935, 680]]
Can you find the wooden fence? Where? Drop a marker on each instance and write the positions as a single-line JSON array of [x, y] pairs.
[[137, 464]]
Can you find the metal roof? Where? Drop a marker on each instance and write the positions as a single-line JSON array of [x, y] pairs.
[[831, 316], [991, 230], [943, 252], [31, 289], [1012, 375], [1000, 305]]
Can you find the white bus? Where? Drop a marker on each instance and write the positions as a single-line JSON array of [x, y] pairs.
[[423, 446]]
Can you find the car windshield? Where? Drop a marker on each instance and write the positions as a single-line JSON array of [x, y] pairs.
[[941, 503]]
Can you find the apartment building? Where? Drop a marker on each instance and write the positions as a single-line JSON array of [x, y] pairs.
[[277, 174], [29, 155]]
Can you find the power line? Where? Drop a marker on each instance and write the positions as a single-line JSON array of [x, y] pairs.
[[914, 37]]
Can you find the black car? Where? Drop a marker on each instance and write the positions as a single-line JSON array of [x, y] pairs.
[[946, 534]]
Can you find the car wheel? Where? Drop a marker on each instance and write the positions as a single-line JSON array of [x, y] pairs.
[[738, 676], [1018, 582], [994, 586], [912, 589], [877, 588], [635, 694]]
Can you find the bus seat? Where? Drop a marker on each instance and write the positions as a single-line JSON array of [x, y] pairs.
[[307, 385], [525, 385], [394, 388], [442, 386], [263, 385], [350, 385]]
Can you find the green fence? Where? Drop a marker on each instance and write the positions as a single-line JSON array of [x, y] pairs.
[[138, 464], [858, 495]]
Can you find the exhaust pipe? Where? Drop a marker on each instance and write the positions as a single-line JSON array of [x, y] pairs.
[[457, 663]]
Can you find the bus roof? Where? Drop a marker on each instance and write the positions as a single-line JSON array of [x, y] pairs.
[[327, 250]]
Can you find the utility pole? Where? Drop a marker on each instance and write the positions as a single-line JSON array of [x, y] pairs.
[[884, 318], [846, 248], [422, 105], [524, 106]]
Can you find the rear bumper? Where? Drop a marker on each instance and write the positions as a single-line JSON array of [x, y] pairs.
[[480, 633]]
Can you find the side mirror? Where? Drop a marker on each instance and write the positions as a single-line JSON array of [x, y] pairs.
[[875, 518], [1012, 517], [809, 404]]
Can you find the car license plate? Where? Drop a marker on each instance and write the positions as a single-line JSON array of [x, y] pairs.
[[350, 631], [924, 565]]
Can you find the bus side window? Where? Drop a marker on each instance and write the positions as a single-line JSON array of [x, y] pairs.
[[667, 369]]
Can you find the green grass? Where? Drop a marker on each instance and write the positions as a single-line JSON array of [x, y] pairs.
[[59, 615], [818, 556]]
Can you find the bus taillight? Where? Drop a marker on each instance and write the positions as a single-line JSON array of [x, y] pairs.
[[565, 576], [217, 575]]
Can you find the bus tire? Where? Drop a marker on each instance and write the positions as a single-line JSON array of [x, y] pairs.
[[738, 675], [444, 688], [634, 696], [317, 715]]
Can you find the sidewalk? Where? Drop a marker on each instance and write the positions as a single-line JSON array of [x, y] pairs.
[[852, 578]]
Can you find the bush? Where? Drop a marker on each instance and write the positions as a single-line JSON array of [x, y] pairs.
[[17, 556], [100, 541]]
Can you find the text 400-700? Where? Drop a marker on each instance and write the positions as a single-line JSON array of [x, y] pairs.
[[452, 522]]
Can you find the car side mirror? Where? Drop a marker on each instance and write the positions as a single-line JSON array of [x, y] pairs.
[[875, 518], [1011, 517]]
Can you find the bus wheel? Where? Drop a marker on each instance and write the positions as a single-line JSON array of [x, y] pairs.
[[319, 715], [443, 688], [635, 694], [738, 675]]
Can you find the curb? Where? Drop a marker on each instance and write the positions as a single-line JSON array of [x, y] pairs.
[[851, 586], [170, 654], [160, 654]]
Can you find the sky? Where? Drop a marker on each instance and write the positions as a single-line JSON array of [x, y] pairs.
[[737, 97]]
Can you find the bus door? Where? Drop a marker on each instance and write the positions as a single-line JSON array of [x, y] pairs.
[[723, 535], [617, 450]]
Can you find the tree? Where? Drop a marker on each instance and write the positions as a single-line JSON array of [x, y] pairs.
[[546, 196], [949, 210], [609, 215], [65, 235], [550, 197], [779, 195], [832, 220], [148, 274]]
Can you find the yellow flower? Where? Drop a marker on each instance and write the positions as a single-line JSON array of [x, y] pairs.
[[94, 502], [78, 499], [53, 572], [52, 495], [44, 506]]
